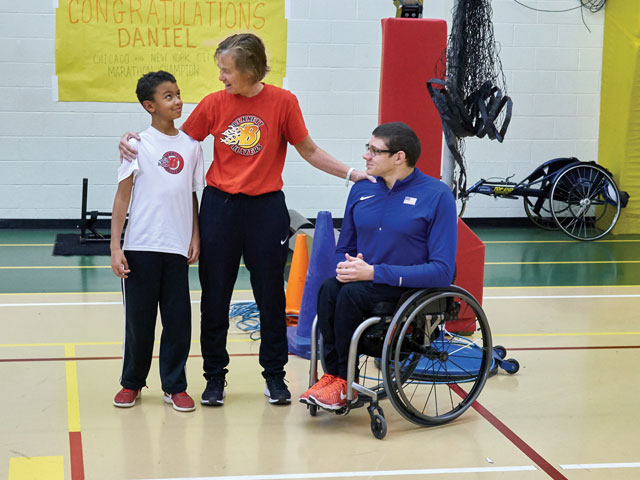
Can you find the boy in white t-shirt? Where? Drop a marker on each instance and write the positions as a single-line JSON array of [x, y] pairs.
[[160, 242]]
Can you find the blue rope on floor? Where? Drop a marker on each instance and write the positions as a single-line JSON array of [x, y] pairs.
[[250, 318]]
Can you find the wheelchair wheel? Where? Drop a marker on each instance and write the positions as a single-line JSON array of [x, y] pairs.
[[511, 366], [585, 201], [431, 374], [544, 218]]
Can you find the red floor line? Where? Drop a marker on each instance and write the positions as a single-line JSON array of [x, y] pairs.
[[76, 457], [515, 439], [64, 359]]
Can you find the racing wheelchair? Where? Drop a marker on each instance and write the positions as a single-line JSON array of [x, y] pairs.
[[430, 355], [579, 198]]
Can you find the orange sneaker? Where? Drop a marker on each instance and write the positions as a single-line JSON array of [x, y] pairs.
[[325, 380], [126, 398], [333, 396], [180, 401]]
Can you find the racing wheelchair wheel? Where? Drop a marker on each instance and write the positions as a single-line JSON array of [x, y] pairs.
[[585, 201], [431, 373], [543, 219]]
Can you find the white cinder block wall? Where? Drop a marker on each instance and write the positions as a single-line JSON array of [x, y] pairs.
[[551, 61]]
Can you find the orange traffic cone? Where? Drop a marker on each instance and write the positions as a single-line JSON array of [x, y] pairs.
[[297, 277]]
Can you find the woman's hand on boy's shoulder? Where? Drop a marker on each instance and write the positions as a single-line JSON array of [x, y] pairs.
[[127, 151], [119, 264]]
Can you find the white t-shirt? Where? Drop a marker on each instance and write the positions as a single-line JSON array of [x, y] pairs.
[[166, 173]]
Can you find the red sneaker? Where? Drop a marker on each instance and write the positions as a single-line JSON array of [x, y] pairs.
[[126, 398], [325, 380], [333, 396], [180, 401]]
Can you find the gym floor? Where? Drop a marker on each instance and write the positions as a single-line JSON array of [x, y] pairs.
[[566, 310]]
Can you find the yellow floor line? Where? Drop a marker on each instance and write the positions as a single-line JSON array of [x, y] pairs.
[[73, 401], [485, 242], [576, 334], [55, 267], [97, 267], [529, 287], [26, 244], [65, 267], [94, 293], [95, 344], [36, 468]]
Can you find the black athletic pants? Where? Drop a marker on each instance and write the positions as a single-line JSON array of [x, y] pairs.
[[341, 308], [255, 228], [156, 279]]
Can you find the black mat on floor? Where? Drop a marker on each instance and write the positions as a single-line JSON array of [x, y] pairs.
[[69, 244]]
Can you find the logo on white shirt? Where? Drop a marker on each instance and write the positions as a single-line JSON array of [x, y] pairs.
[[172, 162]]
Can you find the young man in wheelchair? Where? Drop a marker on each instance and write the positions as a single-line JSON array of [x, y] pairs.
[[397, 234]]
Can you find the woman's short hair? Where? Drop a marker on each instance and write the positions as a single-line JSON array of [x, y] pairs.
[[398, 136], [248, 52]]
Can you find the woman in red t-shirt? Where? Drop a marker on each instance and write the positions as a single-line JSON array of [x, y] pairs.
[[243, 211]]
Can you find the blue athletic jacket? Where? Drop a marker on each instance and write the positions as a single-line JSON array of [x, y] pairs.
[[409, 233]]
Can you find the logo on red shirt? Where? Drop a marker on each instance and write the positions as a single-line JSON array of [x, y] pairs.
[[172, 162], [243, 135]]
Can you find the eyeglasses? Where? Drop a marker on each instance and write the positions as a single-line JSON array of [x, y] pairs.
[[376, 151]]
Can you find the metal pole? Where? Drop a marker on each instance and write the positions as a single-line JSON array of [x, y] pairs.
[[448, 162]]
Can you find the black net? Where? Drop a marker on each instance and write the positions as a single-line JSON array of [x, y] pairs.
[[472, 100]]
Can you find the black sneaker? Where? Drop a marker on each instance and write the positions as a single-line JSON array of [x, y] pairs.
[[277, 391], [214, 394]]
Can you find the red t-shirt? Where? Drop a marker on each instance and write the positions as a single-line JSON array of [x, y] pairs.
[[251, 135]]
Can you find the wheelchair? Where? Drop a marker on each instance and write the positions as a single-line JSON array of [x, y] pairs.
[[430, 355]]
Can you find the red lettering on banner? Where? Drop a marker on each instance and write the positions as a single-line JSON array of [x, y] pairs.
[[226, 15], [137, 37], [246, 17], [180, 11], [70, 19], [153, 40], [135, 10], [166, 37], [115, 18], [176, 36], [255, 14], [105, 12], [153, 12], [189, 44], [82, 12], [122, 31], [164, 2], [197, 14]]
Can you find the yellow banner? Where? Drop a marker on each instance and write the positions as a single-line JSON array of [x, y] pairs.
[[104, 46]]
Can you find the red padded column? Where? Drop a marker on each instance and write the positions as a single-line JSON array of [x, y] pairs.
[[411, 49], [469, 271]]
